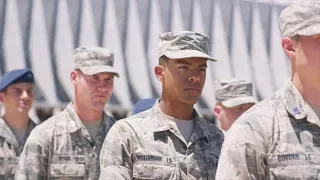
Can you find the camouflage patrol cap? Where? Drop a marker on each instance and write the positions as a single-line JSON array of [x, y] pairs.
[[183, 44], [234, 92], [301, 18], [94, 60]]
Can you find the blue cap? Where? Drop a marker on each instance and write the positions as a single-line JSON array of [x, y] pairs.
[[143, 105], [16, 76]]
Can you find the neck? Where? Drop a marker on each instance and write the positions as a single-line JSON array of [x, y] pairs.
[[16, 120], [86, 114], [176, 109], [308, 88]]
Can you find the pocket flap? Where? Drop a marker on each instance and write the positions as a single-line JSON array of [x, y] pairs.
[[69, 170], [153, 171]]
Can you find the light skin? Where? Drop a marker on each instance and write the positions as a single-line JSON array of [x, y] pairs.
[[17, 99], [182, 83], [91, 94], [227, 116], [304, 54]]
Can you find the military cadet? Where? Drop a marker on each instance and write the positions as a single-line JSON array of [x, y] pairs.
[[233, 97], [279, 138], [68, 144], [17, 95], [170, 140]]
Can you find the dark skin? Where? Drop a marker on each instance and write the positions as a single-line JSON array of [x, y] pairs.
[[182, 83]]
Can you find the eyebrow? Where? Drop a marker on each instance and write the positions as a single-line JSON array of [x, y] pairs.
[[18, 88], [187, 63]]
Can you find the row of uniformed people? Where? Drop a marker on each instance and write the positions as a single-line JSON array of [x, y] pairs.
[[69, 143], [276, 139]]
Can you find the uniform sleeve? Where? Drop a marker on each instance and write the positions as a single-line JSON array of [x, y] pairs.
[[242, 155], [116, 153], [33, 160]]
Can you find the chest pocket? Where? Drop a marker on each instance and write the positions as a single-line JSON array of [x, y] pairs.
[[67, 171], [153, 167], [8, 166], [153, 171], [294, 166]]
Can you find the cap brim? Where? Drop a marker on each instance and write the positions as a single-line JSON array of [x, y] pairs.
[[239, 101], [310, 31], [91, 70], [181, 54]]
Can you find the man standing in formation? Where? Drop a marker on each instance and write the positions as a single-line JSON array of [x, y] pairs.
[[279, 138], [170, 140], [233, 98], [17, 95], [68, 145]]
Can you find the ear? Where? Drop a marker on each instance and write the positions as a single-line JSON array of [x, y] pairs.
[[2, 97], [74, 76], [289, 47], [159, 72], [217, 111]]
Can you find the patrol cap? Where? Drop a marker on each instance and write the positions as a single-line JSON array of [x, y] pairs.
[[94, 60], [16, 76], [234, 92], [143, 105], [183, 44], [300, 18]]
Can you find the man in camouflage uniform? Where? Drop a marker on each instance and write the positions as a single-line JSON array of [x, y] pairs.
[[233, 97], [170, 140], [17, 95], [68, 145], [279, 138]]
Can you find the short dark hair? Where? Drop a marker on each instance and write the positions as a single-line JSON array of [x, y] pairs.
[[296, 38], [163, 60]]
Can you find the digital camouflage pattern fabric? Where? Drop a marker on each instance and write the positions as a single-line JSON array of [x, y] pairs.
[[184, 44], [301, 18], [234, 92], [61, 147], [94, 60], [279, 138], [10, 149], [149, 146]]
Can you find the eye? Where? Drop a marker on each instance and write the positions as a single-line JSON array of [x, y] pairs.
[[30, 91], [203, 69], [94, 78], [109, 80], [183, 67]]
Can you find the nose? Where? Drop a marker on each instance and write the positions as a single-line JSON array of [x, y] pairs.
[[195, 77], [102, 86], [24, 95]]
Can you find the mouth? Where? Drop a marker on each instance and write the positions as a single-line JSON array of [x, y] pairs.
[[193, 89]]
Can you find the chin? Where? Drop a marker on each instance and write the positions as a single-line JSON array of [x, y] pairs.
[[98, 107], [23, 110], [190, 100]]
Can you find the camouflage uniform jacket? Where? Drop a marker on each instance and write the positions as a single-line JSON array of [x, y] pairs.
[[279, 138], [10, 149], [149, 146], [61, 147]]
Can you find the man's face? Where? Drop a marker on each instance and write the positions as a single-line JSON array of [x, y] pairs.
[[306, 56], [227, 116], [183, 79], [93, 90], [18, 97]]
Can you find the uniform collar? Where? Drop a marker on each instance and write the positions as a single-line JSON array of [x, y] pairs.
[[296, 105], [75, 124], [165, 122], [6, 132]]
